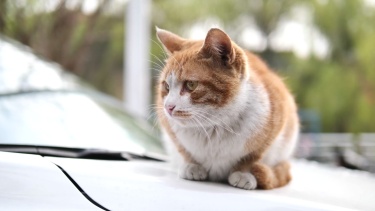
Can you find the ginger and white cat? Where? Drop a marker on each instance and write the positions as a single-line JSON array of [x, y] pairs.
[[230, 117]]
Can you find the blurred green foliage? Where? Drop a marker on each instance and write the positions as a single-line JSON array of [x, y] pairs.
[[339, 88], [89, 45]]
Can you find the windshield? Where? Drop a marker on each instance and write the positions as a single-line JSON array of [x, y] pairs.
[[21, 70], [71, 119]]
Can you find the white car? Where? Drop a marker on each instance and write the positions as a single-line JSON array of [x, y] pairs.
[[64, 146]]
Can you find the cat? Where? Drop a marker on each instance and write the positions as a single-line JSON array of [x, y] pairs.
[[229, 116]]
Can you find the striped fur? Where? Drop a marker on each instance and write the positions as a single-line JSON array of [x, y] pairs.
[[239, 124]]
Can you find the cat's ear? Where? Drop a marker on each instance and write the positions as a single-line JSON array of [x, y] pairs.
[[171, 42], [218, 45]]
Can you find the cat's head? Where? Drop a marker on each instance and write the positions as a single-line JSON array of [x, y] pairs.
[[200, 78]]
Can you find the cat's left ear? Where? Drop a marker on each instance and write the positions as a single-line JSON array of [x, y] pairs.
[[171, 42], [218, 45]]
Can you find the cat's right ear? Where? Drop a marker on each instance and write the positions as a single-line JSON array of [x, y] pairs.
[[171, 42]]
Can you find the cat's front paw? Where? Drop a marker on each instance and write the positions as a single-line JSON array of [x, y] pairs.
[[244, 180], [193, 171]]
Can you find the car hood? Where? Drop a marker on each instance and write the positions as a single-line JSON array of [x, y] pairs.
[[151, 185], [32, 182]]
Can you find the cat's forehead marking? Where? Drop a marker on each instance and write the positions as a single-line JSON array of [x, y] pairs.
[[174, 76], [172, 79]]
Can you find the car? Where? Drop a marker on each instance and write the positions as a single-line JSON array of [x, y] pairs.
[[66, 146]]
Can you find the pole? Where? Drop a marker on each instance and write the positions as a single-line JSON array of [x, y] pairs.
[[136, 69]]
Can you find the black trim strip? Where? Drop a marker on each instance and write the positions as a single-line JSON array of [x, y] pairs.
[[81, 190]]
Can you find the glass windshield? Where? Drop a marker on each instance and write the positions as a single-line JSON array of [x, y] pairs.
[[71, 119], [21, 70]]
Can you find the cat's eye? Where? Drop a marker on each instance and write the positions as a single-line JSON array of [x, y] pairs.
[[191, 85], [166, 86]]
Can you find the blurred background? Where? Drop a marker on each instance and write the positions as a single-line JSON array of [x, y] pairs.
[[324, 49]]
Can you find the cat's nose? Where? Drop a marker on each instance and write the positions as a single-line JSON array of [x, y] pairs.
[[170, 108]]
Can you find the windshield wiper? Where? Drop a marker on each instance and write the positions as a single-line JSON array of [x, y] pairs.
[[67, 152]]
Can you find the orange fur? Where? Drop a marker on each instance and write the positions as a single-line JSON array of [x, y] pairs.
[[220, 67]]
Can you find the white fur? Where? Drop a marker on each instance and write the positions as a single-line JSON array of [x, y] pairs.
[[244, 180], [193, 171], [218, 144], [280, 150], [175, 159]]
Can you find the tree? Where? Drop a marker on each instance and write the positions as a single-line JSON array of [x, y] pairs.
[[88, 45]]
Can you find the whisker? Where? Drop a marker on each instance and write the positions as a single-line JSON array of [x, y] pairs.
[[204, 130], [179, 64], [161, 62], [160, 118], [157, 71], [224, 126], [154, 106], [162, 49], [156, 64]]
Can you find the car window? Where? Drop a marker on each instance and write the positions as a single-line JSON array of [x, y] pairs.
[[21, 70]]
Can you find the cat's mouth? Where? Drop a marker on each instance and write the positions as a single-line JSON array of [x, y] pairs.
[[181, 114]]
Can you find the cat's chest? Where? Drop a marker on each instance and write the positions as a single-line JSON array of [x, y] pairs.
[[217, 150], [211, 143]]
